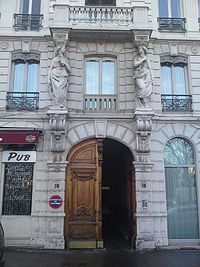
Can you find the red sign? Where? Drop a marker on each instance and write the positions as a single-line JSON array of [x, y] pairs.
[[19, 136], [55, 202]]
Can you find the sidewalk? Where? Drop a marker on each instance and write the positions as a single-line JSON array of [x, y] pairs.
[[101, 258]]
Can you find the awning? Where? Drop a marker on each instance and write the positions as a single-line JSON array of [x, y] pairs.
[[19, 136]]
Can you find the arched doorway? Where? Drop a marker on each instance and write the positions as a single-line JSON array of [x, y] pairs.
[[181, 193], [100, 195]]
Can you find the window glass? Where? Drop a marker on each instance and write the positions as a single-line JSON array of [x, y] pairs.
[[92, 77], [35, 6], [19, 70], [180, 80], [25, 6], [175, 9], [32, 77], [181, 192], [166, 79], [178, 152], [163, 8], [100, 76], [108, 77], [174, 76], [199, 7]]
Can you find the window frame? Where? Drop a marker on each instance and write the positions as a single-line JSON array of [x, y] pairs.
[[173, 61], [100, 60], [26, 58]]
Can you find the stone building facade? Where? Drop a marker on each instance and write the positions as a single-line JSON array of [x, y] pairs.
[[123, 79]]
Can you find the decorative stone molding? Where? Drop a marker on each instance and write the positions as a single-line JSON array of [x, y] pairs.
[[57, 125], [143, 128], [26, 45]]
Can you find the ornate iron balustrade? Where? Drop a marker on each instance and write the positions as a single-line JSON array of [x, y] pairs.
[[100, 103], [176, 102], [25, 22], [22, 101], [171, 24]]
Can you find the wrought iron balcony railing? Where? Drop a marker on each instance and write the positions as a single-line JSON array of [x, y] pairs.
[[171, 24], [176, 103], [27, 22], [99, 103], [22, 101]]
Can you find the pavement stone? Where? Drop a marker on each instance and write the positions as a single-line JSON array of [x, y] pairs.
[[101, 258]]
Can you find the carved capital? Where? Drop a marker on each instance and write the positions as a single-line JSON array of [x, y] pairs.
[[143, 129], [57, 125], [57, 119], [141, 38], [60, 37]]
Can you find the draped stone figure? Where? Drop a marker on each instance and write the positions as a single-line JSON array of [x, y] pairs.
[[58, 76], [143, 77]]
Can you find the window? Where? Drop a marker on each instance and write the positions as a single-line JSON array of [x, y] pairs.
[[170, 17], [18, 177], [100, 84], [100, 76], [181, 192], [169, 8], [175, 84], [30, 7], [24, 80], [100, 2], [29, 17], [174, 75]]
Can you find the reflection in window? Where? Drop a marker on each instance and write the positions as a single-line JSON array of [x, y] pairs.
[[100, 77], [181, 190]]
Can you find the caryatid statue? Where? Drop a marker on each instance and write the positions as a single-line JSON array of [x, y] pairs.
[[58, 76], [143, 77]]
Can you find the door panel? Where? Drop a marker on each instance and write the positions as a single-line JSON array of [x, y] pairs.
[[82, 195]]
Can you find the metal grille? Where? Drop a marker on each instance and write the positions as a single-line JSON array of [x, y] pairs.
[[176, 102], [22, 101], [17, 189], [24, 22], [172, 24]]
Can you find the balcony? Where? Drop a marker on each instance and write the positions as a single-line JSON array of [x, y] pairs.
[[172, 24], [101, 17], [27, 22], [176, 103], [22, 101], [100, 103]]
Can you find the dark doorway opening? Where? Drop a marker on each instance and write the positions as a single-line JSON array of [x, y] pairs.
[[117, 195]]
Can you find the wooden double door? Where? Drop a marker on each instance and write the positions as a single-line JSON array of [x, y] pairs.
[[83, 223]]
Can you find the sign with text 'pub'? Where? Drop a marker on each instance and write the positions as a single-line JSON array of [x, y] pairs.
[[19, 156]]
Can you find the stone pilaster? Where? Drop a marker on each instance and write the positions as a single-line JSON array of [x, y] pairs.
[[143, 168]]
